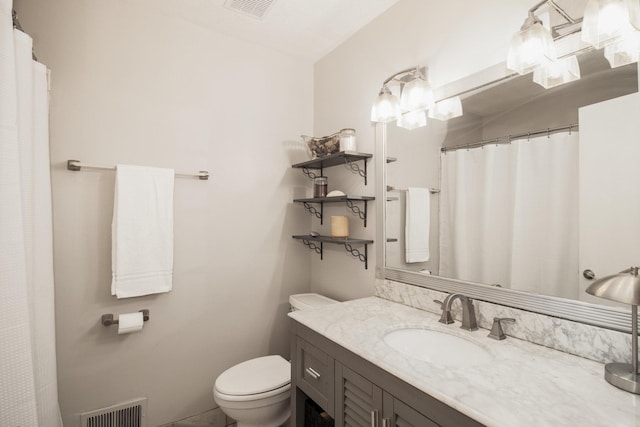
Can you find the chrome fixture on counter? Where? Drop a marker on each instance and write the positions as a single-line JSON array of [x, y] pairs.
[[496, 330], [622, 287], [468, 312]]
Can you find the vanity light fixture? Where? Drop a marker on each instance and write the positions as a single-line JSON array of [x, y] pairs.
[[386, 107], [622, 287], [610, 24], [413, 119], [624, 51], [634, 13], [607, 21], [415, 95], [446, 109], [558, 72], [531, 47]]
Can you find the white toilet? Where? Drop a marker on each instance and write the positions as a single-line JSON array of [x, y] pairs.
[[256, 393]]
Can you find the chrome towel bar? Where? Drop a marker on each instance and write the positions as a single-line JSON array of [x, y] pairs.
[[76, 165]]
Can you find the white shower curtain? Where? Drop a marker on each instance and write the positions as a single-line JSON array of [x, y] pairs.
[[509, 214], [28, 383]]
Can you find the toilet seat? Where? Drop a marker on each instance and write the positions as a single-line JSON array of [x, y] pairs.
[[255, 379], [252, 397]]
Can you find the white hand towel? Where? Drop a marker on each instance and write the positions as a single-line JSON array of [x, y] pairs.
[[142, 231], [416, 231]]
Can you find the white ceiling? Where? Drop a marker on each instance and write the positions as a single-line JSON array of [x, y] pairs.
[[305, 28]]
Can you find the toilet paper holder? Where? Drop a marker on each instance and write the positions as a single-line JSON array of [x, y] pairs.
[[107, 319]]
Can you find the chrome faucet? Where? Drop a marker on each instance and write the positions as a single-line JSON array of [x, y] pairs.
[[468, 312]]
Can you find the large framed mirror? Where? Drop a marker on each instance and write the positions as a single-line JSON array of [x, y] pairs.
[[523, 199]]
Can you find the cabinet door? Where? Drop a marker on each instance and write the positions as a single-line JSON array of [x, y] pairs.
[[358, 400], [398, 414], [314, 374]]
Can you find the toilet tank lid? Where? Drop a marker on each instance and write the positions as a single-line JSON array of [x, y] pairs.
[[255, 376], [308, 301]]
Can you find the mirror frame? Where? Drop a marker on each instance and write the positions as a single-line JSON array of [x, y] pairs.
[[614, 318]]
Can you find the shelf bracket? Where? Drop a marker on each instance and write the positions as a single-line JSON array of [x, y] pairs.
[[311, 174], [356, 253], [314, 247], [313, 211], [355, 168], [356, 210]]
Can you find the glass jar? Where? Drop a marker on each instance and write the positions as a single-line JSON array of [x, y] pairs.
[[320, 186], [348, 140]]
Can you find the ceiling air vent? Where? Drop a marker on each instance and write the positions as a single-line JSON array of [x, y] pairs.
[[253, 8]]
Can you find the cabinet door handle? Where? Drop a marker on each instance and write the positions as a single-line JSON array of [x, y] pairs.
[[313, 373], [374, 418], [385, 422]]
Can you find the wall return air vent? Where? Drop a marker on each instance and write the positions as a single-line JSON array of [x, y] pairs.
[[253, 8], [132, 413]]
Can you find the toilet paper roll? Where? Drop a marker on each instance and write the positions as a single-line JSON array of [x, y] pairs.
[[130, 322]]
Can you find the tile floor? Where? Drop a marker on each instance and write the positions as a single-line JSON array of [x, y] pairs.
[[212, 418]]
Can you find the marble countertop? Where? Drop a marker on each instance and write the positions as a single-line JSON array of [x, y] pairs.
[[525, 385]]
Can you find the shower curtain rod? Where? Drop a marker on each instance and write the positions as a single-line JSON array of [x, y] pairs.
[[76, 165], [508, 138]]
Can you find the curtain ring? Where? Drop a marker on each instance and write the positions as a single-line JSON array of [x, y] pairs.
[[570, 127], [528, 136], [548, 132]]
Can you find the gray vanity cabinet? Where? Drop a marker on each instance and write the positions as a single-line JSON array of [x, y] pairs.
[[355, 392], [359, 402]]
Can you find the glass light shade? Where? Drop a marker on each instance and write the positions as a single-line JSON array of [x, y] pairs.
[[624, 51], [557, 72], [634, 13], [446, 109], [416, 95], [530, 48], [413, 119], [386, 107], [605, 22]]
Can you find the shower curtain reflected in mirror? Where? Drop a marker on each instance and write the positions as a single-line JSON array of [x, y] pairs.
[[28, 384], [509, 215]]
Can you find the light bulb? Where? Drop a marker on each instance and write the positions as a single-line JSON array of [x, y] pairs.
[[413, 119], [624, 51], [446, 109], [386, 107], [416, 95], [531, 47], [557, 72], [605, 22]]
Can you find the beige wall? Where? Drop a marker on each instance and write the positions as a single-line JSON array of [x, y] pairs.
[[133, 85], [453, 39]]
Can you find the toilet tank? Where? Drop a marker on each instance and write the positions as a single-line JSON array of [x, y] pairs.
[[309, 301]]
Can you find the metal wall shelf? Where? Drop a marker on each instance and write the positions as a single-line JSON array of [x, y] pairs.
[[349, 200], [347, 158], [348, 242]]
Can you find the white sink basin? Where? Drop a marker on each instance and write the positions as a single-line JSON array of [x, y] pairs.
[[437, 347]]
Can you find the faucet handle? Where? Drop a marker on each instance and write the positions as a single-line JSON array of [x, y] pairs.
[[446, 316], [496, 330]]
